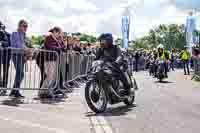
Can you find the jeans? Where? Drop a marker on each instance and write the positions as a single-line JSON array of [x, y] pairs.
[[5, 60], [172, 65], [136, 65], [166, 68], [51, 75], [18, 61], [186, 66]]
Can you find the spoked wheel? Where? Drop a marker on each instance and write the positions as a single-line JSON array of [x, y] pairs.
[[96, 97], [130, 100]]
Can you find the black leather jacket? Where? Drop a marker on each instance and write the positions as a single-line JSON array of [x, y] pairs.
[[108, 54], [5, 39]]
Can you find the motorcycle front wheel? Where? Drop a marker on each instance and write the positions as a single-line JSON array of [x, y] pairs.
[[96, 98]]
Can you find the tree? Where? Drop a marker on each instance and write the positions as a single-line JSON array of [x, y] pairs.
[[171, 36], [88, 38], [37, 40]]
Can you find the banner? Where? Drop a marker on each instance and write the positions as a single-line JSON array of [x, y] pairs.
[[198, 22], [190, 28], [198, 26], [190, 24], [125, 31], [187, 4]]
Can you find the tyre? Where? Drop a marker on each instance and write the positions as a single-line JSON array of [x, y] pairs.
[[160, 75], [160, 79], [94, 93], [129, 101]]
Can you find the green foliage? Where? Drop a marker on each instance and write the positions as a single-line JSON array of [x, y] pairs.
[[88, 38], [37, 40], [171, 36]]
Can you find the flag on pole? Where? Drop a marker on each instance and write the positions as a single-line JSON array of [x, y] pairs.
[[125, 31], [190, 28]]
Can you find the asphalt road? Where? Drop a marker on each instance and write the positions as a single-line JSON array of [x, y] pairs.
[[167, 107], [171, 107]]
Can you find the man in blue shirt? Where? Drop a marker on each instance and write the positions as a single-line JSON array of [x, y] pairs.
[[18, 41]]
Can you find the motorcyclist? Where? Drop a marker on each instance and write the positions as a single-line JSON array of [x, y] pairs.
[[163, 55], [153, 59], [111, 53]]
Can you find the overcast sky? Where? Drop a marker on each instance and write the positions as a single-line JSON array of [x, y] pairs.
[[93, 16]]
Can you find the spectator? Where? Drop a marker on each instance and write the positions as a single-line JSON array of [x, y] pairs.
[[89, 49], [63, 63], [196, 53], [196, 59], [137, 57], [40, 59], [52, 42], [77, 47], [173, 58], [83, 48], [69, 43], [5, 57], [18, 41]]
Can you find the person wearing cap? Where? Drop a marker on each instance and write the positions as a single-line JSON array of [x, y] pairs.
[[55, 43], [185, 57]]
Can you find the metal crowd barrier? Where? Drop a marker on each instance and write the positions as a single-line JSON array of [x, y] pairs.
[[28, 69], [38, 69], [77, 66]]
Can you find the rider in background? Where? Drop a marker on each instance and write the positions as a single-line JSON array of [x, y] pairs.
[[163, 55]]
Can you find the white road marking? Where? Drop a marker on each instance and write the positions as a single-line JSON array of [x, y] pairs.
[[100, 124], [30, 124], [104, 124], [97, 126]]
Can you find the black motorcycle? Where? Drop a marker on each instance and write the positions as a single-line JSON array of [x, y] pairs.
[[104, 86], [161, 70], [151, 68]]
